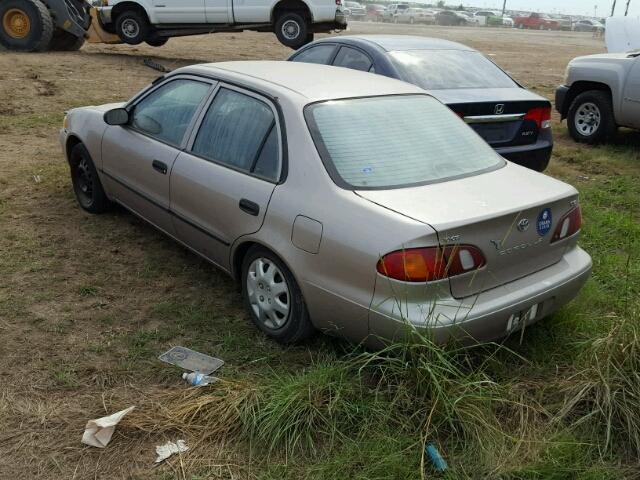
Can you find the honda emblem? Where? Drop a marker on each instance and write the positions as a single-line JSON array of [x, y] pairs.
[[499, 110]]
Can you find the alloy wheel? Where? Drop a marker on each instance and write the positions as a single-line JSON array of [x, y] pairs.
[[130, 28], [290, 30], [587, 119]]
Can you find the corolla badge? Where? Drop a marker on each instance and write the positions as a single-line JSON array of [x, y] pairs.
[[523, 225], [543, 225]]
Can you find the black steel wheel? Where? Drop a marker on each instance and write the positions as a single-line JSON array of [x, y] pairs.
[[86, 182]]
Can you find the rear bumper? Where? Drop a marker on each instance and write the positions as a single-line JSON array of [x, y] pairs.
[[535, 156], [486, 316], [340, 23], [561, 96]]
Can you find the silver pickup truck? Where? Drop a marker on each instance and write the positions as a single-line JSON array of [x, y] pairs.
[[600, 94]]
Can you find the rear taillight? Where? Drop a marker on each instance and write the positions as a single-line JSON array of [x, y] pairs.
[[569, 225], [540, 115], [430, 263]]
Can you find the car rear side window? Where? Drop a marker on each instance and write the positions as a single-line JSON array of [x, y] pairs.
[[449, 69], [240, 131], [395, 141], [166, 113], [319, 54], [353, 59]]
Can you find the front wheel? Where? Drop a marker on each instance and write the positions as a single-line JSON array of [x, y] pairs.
[[273, 298], [85, 181], [590, 118], [132, 27], [292, 30], [157, 41], [25, 25]]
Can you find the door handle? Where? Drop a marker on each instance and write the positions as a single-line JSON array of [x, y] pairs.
[[159, 166], [249, 207]]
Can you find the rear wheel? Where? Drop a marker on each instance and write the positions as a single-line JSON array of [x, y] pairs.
[[273, 298], [590, 118], [25, 25], [86, 183], [292, 30], [132, 27], [65, 42]]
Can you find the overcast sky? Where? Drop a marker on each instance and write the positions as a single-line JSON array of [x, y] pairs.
[[575, 7]]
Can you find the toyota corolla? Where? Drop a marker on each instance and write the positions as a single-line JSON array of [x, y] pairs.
[[340, 201]]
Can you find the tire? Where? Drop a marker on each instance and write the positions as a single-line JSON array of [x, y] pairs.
[[157, 42], [132, 27], [257, 296], [25, 25], [590, 118], [292, 30], [65, 42], [86, 183]]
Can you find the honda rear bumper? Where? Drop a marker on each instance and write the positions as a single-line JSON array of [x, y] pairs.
[[535, 156]]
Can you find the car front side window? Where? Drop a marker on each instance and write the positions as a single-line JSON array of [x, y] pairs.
[[240, 131], [166, 112]]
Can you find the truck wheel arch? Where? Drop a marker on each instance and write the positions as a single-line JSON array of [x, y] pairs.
[[126, 6], [299, 6], [580, 87]]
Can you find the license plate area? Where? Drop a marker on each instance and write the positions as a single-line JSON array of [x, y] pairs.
[[523, 317]]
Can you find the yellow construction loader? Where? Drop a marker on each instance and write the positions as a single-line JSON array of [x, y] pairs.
[[44, 25]]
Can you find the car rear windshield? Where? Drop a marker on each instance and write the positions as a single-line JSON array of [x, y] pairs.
[[395, 141], [444, 69]]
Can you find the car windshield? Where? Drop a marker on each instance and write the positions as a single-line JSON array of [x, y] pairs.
[[444, 69], [395, 141]]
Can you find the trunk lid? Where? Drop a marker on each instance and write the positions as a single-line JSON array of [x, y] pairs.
[[485, 210], [496, 114]]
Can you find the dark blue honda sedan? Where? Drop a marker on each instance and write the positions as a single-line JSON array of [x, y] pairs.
[[513, 120]]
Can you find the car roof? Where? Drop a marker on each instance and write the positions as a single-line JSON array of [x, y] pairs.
[[401, 42], [311, 82]]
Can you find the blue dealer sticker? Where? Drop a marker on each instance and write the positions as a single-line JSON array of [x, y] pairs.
[[543, 225]]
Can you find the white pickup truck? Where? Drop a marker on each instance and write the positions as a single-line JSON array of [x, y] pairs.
[[154, 21]]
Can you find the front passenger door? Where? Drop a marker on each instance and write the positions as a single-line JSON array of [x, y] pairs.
[[179, 11], [137, 158], [221, 185]]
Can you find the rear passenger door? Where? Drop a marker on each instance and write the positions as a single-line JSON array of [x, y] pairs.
[[354, 59], [222, 183]]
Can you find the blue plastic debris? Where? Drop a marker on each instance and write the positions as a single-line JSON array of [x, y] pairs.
[[439, 463]]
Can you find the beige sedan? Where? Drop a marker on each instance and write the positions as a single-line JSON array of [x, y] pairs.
[[339, 200]]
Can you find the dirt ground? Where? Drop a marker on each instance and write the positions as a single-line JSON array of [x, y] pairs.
[[87, 303]]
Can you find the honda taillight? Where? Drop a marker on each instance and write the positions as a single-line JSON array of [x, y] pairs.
[[430, 263], [569, 225], [540, 115]]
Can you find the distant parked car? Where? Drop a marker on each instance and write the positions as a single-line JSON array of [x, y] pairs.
[[407, 220], [392, 10], [600, 93], [471, 20], [415, 15], [537, 21], [375, 13], [564, 21], [514, 121], [354, 11], [507, 22], [588, 26], [451, 18]]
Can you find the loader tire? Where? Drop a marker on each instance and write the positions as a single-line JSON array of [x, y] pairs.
[[65, 42], [25, 25]]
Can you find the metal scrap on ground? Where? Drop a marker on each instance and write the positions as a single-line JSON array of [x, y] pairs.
[[191, 360]]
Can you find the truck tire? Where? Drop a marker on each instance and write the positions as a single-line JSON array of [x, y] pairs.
[[25, 25], [65, 42], [590, 118], [132, 27], [292, 30]]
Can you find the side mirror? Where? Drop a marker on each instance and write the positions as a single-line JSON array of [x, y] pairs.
[[117, 116]]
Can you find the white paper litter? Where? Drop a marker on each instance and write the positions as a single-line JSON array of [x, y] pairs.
[[98, 432], [169, 448]]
